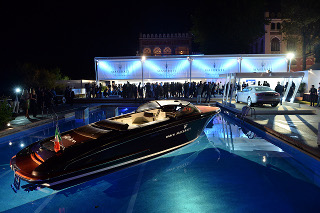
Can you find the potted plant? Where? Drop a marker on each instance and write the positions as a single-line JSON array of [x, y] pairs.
[[301, 89], [300, 92]]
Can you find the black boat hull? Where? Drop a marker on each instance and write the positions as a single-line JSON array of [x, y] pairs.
[[143, 147], [110, 145]]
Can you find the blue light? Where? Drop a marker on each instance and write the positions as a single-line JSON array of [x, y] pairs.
[[104, 66], [166, 69], [230, 63], [213, 68], [200, 65], [280, 63], [136, 65], [259, 65], [246, 64], [119, 69], [184, 64], [151, 65]]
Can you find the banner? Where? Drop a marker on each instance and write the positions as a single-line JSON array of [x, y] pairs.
[[201, 67], [213, 67], [263, 64], [166, 69], [119, 70]]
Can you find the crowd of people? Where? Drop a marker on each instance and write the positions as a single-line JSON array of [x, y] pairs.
[[167, 90], [156, 90], [33, 100]]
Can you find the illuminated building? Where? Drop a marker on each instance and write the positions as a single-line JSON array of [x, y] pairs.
[[275, 42], [165, 44]]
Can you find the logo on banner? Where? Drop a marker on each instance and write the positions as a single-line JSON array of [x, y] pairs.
[[215, 68], [167, 70], [264, 67], [120, 71]]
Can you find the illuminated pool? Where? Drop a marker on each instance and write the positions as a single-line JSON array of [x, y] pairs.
[[229, 168]]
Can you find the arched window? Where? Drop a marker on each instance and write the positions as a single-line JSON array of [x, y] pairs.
[[275, 44], [157, 51], [167, 51], [278, 26], [147, 51], [273, 26], [182, 51]]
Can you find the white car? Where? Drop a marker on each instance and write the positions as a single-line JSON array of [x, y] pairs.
[[258, 95]]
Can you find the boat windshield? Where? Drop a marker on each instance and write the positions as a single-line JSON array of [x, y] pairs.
[[180, 110], [148, 106]]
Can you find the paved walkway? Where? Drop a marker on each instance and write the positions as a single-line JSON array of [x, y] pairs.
[[301, 125]]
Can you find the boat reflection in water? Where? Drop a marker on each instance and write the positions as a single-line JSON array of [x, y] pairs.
[[154, 129]]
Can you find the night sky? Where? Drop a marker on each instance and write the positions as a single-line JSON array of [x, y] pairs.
[[70, 35]]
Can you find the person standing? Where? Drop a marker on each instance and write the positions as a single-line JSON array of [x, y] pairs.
[[25, 97], [72, 95], [199, 92], [33, 102], [318, 102], [209, 89], [67, 94], [279, 89], [313, 94], [243, 85], [16, 103]]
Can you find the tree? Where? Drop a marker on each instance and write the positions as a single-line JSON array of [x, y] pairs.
[[302, 23], [228, 26], [33, 76], [5, 113]]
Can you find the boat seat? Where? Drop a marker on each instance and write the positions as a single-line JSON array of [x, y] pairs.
[[161, 116], [147, 117], [140, 120], [111, 124]]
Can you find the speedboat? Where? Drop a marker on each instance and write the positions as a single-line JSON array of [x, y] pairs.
[[154, 129]]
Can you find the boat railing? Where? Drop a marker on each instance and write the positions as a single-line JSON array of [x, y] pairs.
[[245, 111]]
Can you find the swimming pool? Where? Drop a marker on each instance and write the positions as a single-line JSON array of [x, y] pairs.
[[229, 168]]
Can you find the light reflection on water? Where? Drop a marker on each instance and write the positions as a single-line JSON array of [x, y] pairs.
[[228, 168]]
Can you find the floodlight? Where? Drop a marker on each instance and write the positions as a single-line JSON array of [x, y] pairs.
[[18, 90], [290, 56]]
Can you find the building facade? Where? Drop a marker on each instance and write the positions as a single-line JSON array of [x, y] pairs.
[[276, 42], [165, 44]]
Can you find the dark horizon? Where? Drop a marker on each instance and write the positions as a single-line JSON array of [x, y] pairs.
[[69, 35], [53, 35]]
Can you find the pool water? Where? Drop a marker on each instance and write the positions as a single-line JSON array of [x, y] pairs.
[[229, 168]]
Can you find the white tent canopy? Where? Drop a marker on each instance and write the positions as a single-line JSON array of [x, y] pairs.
[[185, 67]]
